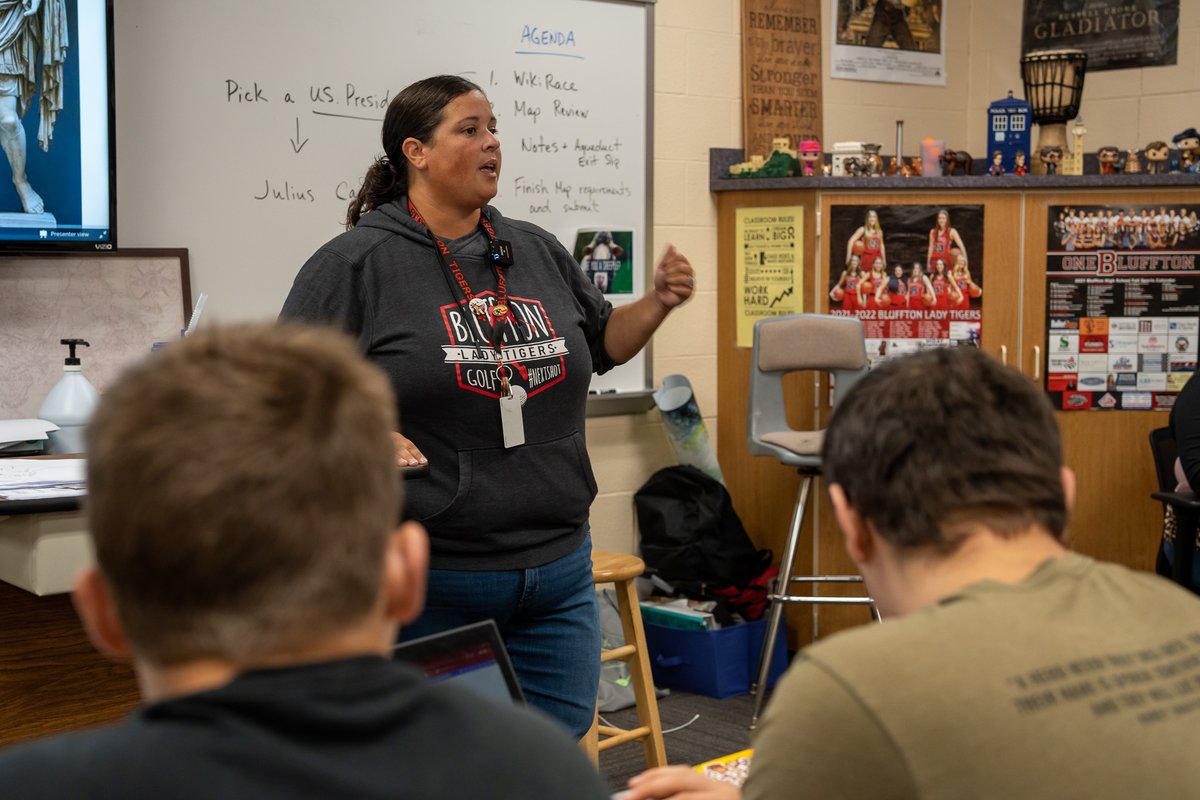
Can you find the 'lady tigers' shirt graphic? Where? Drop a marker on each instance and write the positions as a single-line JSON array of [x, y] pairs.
[[531, 348]]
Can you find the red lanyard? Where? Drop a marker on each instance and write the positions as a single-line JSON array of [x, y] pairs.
[[477, 305]]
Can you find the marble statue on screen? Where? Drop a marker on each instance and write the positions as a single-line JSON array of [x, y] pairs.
[[33, 40]]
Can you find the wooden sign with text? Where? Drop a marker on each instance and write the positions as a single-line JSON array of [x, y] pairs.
[[781, 72]]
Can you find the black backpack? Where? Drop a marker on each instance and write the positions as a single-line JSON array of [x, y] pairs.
[[691, 536]]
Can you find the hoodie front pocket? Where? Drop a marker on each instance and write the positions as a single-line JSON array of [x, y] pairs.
[[548, 486]]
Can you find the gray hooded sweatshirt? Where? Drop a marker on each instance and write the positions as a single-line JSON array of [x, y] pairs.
[[486, 507]]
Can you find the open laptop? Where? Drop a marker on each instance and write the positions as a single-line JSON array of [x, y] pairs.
[[472, 656]]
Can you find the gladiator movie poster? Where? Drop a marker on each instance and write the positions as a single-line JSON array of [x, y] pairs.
[[1115, 34], [896, 41], [1122, 305], [912, 273]]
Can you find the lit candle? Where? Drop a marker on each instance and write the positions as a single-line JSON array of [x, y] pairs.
[[931, 156]]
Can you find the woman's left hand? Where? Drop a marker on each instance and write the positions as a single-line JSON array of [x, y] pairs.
[[674, 278]]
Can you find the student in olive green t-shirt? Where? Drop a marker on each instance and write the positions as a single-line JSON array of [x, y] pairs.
[[1007, 666]]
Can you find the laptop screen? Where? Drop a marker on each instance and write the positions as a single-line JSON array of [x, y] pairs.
[[472, 656]]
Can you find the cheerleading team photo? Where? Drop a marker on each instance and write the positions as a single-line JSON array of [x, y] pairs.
[[912, 273]]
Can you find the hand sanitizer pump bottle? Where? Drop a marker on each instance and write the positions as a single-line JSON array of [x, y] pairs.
[[69, 405]]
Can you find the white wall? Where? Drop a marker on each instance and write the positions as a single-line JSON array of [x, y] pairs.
[[1125, 108]]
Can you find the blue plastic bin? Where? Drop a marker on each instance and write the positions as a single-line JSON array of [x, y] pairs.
[[720, 663]]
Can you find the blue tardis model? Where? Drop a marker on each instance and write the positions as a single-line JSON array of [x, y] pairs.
[[1008, 130]]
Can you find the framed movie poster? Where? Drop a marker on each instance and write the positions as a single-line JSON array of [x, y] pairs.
[[1115, 34], [913, 274], [1122, 305], [896, 41]]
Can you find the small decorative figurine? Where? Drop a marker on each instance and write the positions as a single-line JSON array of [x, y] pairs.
[[1051, 156], [873, 162], [1108, 157], [810, 157], [1020, 168], [997, 167], [1133, 161], [1074, 163], [839, 155], [1188, 143], [780, 164], [953, 160], [1009, 122], [911, 168], [1156, 154]]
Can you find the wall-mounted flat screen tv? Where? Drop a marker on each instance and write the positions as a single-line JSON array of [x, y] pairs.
[[57, 168]]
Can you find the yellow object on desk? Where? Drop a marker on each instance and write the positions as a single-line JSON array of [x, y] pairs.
[[732, 768]]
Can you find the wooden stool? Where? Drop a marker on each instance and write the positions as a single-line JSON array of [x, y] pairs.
[[621, 570]]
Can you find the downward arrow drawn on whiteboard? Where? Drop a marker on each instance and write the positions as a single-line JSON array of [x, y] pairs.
[[296, 143]]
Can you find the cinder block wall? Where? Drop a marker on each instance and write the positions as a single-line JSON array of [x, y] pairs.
[[697, 105], [1125, 108]]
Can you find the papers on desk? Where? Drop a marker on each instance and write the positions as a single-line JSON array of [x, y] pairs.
[[24, 434], [30, 478]]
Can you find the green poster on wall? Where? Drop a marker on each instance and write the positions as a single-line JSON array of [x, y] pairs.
[[606, 256]]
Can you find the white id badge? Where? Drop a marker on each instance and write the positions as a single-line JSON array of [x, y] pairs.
[[511, 421]]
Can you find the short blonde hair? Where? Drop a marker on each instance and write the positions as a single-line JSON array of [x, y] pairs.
[[241, 487]]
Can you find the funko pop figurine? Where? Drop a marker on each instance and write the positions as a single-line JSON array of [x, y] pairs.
[[1108, 158], [1188, 143], [1019, 166], [1051, 157], [1156, 154], [809, 155], [997, 167], [1133, 161]]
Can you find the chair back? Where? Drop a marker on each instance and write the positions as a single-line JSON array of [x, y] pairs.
[[815, 342], [1162, 446]]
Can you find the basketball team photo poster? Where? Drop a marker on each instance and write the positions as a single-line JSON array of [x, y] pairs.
[[913, 274]]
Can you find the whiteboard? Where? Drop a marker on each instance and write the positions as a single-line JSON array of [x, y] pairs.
[[244, 128]]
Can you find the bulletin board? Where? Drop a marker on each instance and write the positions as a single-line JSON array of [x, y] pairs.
[[120, 303]]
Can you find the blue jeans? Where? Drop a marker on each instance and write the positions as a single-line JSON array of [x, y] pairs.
[[548, 618]]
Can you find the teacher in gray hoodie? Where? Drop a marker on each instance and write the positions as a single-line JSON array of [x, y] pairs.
[[489, 332]]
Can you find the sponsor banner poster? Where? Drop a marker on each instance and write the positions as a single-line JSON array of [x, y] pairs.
[[770, 266], [897, 41], [606, 257], [1115, 34], [913, 274], [1122, 305]]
